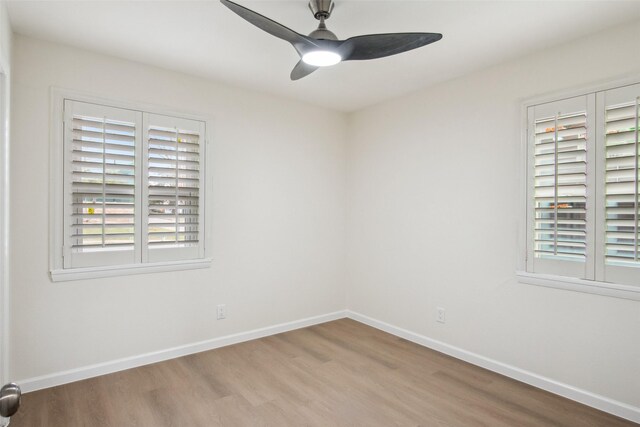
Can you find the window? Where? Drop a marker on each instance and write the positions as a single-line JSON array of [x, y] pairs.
[[132, 193], [583, 224]]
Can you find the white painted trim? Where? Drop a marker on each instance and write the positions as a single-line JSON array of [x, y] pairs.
[[522, 235], [59, 93], [59, 378], [56, 179], [62, 275], [602, 403], [580, 285], [583, 89], [5, 208]]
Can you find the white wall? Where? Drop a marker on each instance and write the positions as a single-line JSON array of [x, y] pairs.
[[5, 81], [278, 219], [433, 217]]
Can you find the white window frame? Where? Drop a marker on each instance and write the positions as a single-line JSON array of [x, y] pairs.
[[550, 280], [56, 193]]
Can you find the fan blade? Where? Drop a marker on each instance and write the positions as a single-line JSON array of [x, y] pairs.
[[302, 69], [374, 46], [270, 26]]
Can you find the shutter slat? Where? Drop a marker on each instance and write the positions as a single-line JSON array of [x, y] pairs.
[[182, 164], [83, 146], [80, 165], [89, 174], [82, 136], [112, 159], [184, 156], [109, 244], [110, 127]]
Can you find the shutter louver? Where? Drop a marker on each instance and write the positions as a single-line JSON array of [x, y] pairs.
[[621, 184], [560, 187], [103, 184], [173, 187]]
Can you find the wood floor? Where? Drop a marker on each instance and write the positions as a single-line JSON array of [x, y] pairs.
[[340, 373]]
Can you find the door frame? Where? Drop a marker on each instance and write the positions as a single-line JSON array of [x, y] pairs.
[[4, 219]]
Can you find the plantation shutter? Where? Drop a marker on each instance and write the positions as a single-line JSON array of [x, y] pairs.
[[174, 188], [620, 183], [100, 184], [560, 180]]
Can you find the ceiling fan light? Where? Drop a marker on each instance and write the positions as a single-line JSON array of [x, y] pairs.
[[321, 58]]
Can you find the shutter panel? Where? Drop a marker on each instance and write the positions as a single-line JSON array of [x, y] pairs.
[[559, 187], [174, 188], [100, 187], [621, 109], [621, 177]]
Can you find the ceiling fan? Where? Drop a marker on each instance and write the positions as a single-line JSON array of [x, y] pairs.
[[321, 48]]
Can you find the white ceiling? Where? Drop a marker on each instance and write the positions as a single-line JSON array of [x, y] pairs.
[[205, 38]]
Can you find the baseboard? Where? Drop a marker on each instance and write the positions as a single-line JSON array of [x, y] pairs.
[[59, 378], [602, 403]]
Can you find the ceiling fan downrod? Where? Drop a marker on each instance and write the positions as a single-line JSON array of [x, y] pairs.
[[321, 9]]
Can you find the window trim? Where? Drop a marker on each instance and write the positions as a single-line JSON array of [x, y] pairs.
[[62, 275], [57, 272], [580, 285], [616, 290]]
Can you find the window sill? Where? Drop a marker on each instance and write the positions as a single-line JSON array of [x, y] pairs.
[[126, 270], [580, 285]]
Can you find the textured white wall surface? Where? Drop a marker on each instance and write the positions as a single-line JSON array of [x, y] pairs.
[[277, 219], [434, 197]]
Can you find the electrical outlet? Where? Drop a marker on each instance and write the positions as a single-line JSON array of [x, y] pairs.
[[440, 314], [222, 311]]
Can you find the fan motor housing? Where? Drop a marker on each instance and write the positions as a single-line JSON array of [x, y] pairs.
[[321, 8]]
